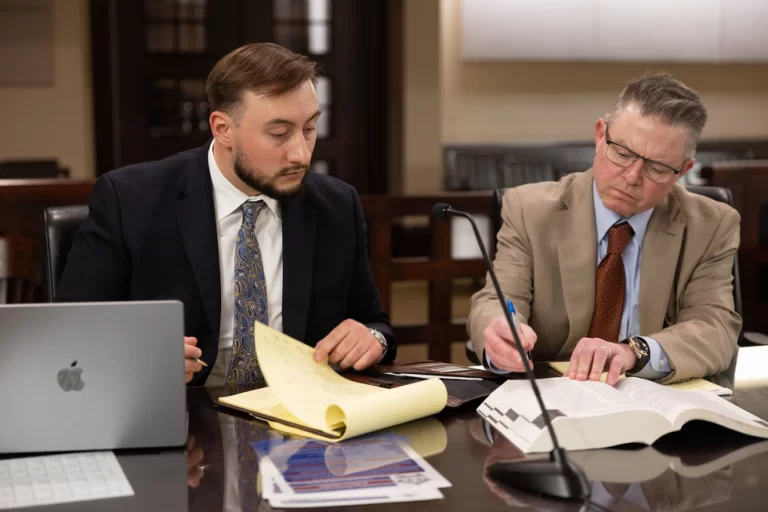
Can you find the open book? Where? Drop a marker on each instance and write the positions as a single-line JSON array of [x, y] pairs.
[[308, 398], [591, 414], [687, 385]]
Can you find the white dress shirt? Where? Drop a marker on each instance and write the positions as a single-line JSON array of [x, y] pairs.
[[228, 200]]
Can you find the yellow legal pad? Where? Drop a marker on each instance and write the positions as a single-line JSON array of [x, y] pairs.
[[310, 399], [687, 385]]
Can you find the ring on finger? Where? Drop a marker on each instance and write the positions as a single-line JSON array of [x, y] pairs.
[[610, 352]]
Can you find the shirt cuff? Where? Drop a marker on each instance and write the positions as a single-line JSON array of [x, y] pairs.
[[658, 365], [487, 363]]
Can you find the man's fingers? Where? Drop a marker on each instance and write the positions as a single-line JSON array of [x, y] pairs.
[[529, 335], [192, 352], [327, 344], [188, 377], [190, 340], [598, 362], [584, 363], [502, 354], [194, 477], [344, 347], [615, 371], [352, 355], [194, 457], [500, 328], [191, 366], [368, 358]]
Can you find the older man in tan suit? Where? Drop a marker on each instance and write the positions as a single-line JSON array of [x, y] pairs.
[[619, 268]]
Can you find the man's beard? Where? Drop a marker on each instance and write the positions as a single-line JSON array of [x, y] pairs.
[[267, 186]]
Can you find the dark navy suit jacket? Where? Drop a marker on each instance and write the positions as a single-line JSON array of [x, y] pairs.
[[151, 234]]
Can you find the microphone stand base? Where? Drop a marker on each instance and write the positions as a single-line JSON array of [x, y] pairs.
[[557, 477]]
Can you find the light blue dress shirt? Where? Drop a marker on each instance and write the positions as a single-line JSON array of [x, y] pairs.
[[658, 365]]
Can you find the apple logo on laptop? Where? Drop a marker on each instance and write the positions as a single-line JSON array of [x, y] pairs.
[[70, 378]]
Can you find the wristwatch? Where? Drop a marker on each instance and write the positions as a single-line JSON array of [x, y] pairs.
[[382, 341], [641, 350]]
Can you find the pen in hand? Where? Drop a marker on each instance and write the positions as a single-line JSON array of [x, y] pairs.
[[198, 360], [516, 325]]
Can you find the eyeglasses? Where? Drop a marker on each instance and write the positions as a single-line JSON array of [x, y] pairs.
[[653, 170]]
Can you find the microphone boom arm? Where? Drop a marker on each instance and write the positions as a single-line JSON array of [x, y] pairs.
[[515, 335]]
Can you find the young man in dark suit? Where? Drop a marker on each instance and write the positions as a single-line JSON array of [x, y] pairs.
[[240, 231]]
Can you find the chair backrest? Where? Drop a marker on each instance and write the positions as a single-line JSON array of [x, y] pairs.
[[60, 224], [721, 194], [19, 276]]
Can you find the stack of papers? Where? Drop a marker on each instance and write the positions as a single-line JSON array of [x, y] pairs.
[[371, 469], [308, 398], [33, 481]]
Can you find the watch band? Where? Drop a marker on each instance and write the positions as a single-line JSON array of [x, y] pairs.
[[640, 347], [381, 339]]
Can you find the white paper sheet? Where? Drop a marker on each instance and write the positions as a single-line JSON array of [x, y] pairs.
[[359, 471], [53, 479]]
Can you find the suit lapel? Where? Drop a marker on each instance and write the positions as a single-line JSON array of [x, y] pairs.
[[577, 256], [299, 230], [661, 251], [196, 216]]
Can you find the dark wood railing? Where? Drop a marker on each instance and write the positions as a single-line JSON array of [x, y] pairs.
[[438, 268]]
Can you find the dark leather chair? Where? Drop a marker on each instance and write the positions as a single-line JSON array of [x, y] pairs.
[[60, 225], [717, 193]]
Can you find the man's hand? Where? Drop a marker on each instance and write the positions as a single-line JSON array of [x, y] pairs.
[[191, 352], [350, 344], [194, 468], [500, 345], [592, 355]]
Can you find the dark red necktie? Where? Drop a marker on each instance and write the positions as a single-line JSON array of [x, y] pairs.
[[611, 286]]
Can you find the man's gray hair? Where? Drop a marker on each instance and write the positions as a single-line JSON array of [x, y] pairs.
[[660, 95]]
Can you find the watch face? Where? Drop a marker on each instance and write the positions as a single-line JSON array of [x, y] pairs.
[[639, 346]]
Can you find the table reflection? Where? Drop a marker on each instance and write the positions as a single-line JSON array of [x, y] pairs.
[[701, 467], [682, 472]]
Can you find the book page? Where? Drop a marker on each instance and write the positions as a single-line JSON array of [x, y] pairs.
[[561, 367], [673, 403], [325, 400], [568, 397], [584, 414]]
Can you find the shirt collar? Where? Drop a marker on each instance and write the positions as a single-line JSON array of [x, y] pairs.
[[606, 218], [227, 197]]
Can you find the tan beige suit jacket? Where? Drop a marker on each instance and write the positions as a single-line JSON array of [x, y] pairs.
[[546, 263]]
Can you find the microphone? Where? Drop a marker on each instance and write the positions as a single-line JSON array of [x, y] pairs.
[[556, 476]]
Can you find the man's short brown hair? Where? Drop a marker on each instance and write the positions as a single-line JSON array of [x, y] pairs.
[[674, 103], [262, 68]]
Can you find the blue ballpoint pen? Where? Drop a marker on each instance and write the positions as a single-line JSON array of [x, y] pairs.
[[515, 324]]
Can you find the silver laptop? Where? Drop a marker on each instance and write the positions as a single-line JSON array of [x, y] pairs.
[[92, 376]]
